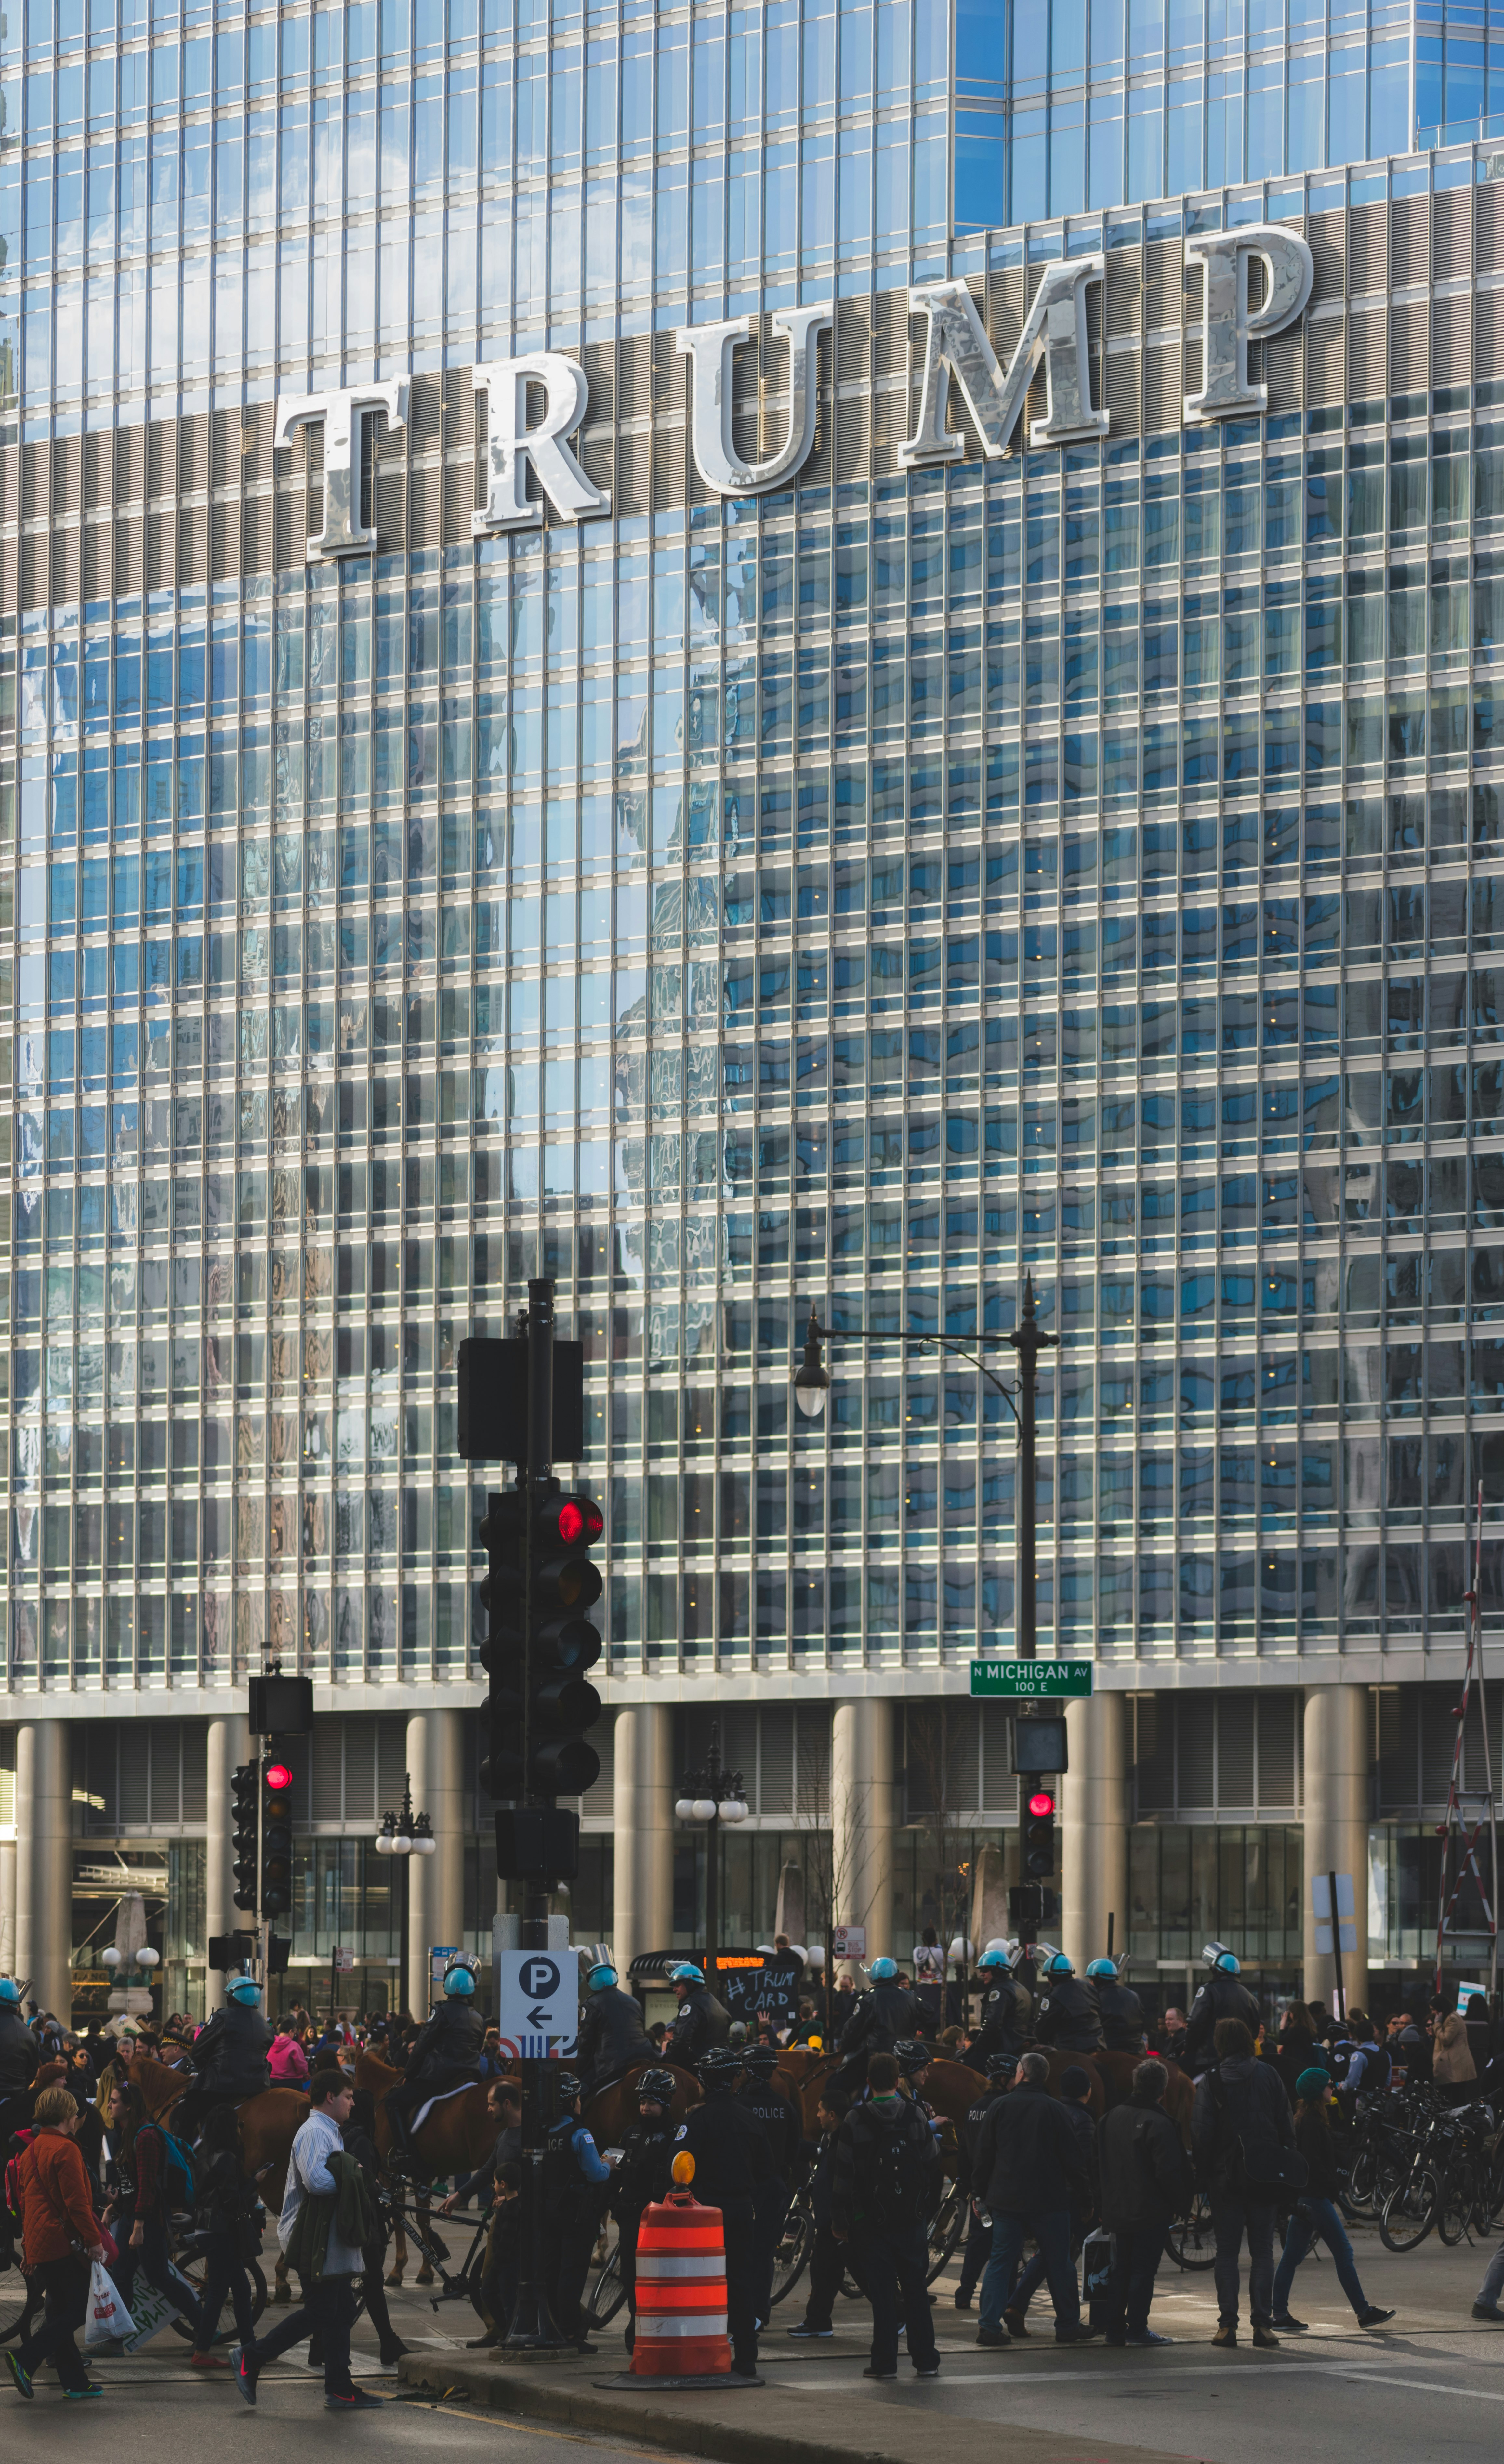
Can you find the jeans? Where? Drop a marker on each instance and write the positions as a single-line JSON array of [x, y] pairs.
[[327, 2311], [1051, 2231], [1231, 2219], [64, 2286], [829, 2261], [224, 2272], [1314, 2220], [1129, 2288], [974, 2257], [1492, 2284], [894, 2268]]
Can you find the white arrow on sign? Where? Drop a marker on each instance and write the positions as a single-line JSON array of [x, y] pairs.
[[538, 1997]]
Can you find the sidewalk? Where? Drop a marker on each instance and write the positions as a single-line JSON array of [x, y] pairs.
[[766, 2425]]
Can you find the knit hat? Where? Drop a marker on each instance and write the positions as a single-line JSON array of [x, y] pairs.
[[1311, 2085], [1075, 2082]]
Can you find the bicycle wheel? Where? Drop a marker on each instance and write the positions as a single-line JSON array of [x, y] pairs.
[[1190, 2241], [1454, 2206], [946, 2227], [792, 2255], [607, 2293], [1409, 2213], [12, 2303], [227, 2333]]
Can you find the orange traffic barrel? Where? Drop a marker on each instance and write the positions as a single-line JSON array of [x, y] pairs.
[[681, 2286]]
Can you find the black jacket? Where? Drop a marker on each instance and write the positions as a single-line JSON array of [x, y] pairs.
[[223, 2201], [968, 2138], [730, 2152], [1221, 1997], [1121, 2015], [699, 2022], [857, 2142], [1083, 2122], [1145, 2172], [883, 2015], [1002, 2025], [644, 2172], [19, 2056], [612, 2039], [1029, 2158], [778, 2122], [230, 2053], [1314, 2139], [1068, 2016], [448, 2045], [822, 2177], [1251, 2106]]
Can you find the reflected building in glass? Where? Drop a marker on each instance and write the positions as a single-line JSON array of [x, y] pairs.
[[984, 763]]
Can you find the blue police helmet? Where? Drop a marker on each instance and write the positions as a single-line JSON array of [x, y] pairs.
[[1105, 1969], [1059, 1966], [686, 1973], [602, 1976], [993, 1959], [244, 1990], [1217, 1955], [883, 1971], [459, 1981]]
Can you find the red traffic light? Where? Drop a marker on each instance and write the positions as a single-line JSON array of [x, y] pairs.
[[278, 1776], [580, 1518], [1042, 1803]]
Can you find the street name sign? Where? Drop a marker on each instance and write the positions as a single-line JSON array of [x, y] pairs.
[[1023, 1681]]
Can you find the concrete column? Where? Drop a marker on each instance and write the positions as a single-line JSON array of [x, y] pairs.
[[436, 1883], [642, 1804], [1338, 1758], [862, 1818], [229, 1747], [7, 1907], [1094, 1829], [44, 1863]]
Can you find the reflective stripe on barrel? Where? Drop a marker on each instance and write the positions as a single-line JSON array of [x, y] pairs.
[[680, 2329]]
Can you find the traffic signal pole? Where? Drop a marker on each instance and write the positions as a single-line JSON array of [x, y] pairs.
[[539, 1471]]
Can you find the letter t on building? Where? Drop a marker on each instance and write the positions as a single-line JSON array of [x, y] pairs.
[[344, 416]]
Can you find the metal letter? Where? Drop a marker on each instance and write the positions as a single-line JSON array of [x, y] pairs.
[[709, 348], [956, 346], [343, 415], [1228, 323], [510, 443]]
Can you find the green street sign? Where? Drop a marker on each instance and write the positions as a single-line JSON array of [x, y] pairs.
[[1023, 1681]]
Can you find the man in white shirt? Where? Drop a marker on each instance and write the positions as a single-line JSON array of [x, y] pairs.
[[327, 2309]]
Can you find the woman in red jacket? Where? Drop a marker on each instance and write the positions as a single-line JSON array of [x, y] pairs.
[[59, 2238]]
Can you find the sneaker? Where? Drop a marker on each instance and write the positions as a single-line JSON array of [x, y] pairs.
[[244, 2368], [1227, 2335], [1265, 2341], [20, 2376], [870, 2373], [393, 2353], [1145, 2338], [1114, 2343], [1489, 2310], [805, 2329], [995, 2337], [929, 2370], [1016, 2323], [207, 2362], [1296, 2326], [962, 2299], [1081, 2335], [479, 2343], [359, 2400], [1373, 2317], [80, 2395]]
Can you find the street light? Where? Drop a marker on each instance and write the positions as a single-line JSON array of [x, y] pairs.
[[1028, 1339], [405, 1834], [712, 1796]]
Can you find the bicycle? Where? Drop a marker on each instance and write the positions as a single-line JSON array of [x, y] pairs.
[[1190, 2240], [464, 2285]]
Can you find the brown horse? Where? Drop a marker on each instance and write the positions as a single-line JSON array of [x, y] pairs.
[[269, 2122], [610, 2112]]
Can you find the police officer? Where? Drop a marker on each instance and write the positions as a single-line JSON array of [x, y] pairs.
[[1002, 2033], [574, 2178], [1068, 2016], [445, 2052], [778, 2120], [699, 2022], [229, 2054], [1120, 2009], [612, 2039], [641, 2176], [881, 2017], [19, 2057], [979, 2235], [731, 2167], [914, 2058], [1220, 1997]]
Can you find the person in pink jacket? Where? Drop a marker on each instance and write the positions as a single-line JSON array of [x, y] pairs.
[[287, 2060]]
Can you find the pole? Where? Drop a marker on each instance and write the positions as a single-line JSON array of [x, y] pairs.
[[264, 1956], [1110, 1924], [712, 1895], [1337, 1948], [1028, 1339]]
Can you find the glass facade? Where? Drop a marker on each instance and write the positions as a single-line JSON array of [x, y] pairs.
[[852, 892]]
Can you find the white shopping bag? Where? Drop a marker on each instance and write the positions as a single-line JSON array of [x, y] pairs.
[[108, 2317]]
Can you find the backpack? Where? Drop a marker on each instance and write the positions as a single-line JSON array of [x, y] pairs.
[[898, 2189], [1262, 2167], [178, 2186]]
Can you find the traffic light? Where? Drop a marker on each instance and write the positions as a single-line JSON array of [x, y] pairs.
[[503, 1595], [562, 1582], [277, 1841], [1039, 1836], [244, 1788]]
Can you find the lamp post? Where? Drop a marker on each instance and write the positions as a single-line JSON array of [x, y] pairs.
[[405, 1834], [712, 1796], [813, 1384]]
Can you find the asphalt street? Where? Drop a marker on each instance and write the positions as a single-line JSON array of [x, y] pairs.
[[1432, 2383]]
